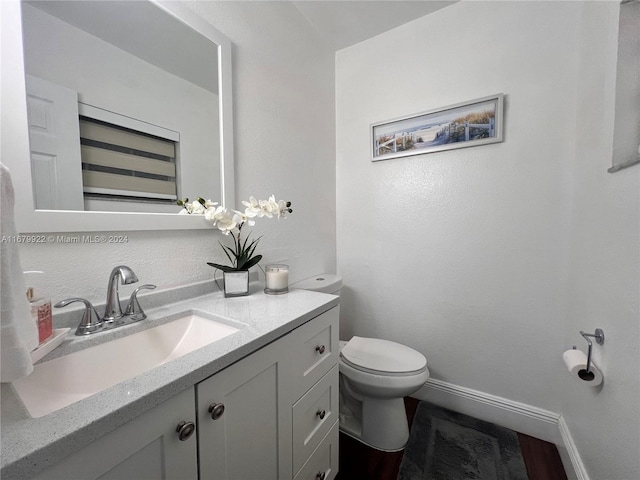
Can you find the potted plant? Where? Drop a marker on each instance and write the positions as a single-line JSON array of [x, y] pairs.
[[241, 254]]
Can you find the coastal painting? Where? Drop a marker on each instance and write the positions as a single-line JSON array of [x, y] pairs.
[[468, 124]]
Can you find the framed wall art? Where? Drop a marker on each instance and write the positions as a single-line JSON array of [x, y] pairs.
[[468, 124]]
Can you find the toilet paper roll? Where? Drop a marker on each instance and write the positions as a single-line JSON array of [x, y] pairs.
[[576, 362]]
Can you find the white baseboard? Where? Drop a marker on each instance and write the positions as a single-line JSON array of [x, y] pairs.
[[521, 417], [570, 451]]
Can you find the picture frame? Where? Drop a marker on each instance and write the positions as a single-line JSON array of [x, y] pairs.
[[467, 124]]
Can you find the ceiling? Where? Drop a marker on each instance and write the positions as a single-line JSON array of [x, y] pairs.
[[343, 23], [144, 31]]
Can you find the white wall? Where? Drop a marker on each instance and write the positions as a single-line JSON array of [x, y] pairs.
[[485, 259], [604, 281], [462, 254], [284, 144], [285, 126]]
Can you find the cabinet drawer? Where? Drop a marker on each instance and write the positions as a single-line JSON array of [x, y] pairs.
[[313, 416], [315, 347], [323, 464]]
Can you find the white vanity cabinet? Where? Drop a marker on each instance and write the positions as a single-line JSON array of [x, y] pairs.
[[275, 411], [242, 414], [147, 447], [272, 415]]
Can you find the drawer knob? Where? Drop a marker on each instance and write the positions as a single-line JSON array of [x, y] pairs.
[[185, 430], [320, 349], [216, 410], [320, 476], [321, 414]]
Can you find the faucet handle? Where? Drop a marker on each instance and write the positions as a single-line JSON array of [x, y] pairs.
[[90, 322], [133, 308]]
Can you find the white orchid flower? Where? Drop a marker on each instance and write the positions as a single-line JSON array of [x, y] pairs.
[[213, 213], [197, 208], [250, 213], [225, 224], [266, 209], [241, 218], [253, 207], [274, 205], [252, 203], [282, 208], [232, 221]]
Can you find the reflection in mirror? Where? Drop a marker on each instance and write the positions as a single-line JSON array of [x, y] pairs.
[[146, 127], [626, 140], [120, 119]]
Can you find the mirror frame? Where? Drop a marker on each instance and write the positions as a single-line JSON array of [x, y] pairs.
[[15, 137]]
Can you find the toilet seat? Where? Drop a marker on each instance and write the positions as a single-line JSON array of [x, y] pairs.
[[382, 357]]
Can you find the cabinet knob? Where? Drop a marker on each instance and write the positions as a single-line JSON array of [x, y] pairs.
[[320, 476], [321, 414], [320, 349], [185, 430], [216, 410]]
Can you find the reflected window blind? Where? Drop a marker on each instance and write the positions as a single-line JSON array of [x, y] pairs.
[[120, 162]]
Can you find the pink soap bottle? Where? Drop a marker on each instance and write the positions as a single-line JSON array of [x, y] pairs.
[[40, 308]]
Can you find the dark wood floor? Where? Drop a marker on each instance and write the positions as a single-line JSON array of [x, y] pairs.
[[359, 462]]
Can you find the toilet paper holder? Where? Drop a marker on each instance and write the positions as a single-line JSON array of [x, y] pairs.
[[586, 373]]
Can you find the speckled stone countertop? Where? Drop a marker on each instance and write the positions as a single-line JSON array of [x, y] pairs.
[[30, 445]]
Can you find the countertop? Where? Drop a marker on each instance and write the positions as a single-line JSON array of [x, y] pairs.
[[30, 445]]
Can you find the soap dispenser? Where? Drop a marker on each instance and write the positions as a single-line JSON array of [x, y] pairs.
[[40, 306]]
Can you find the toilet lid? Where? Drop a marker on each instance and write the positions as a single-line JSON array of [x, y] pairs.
[[382, 355]]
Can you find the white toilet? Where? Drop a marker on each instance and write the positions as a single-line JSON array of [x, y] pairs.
[[375, 375]]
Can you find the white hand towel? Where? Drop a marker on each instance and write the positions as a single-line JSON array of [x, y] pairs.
[[18, 330]]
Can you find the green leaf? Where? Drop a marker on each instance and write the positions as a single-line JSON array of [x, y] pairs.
[[250, 263], [224, 249], [253, 245], [224, 268]]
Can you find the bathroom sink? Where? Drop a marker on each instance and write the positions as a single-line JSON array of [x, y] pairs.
[[71, 378]]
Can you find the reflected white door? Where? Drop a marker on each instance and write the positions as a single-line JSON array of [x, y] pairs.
[[54, 135]]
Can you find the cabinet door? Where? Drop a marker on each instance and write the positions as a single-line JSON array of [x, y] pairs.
[[250, 437], [147, 447]]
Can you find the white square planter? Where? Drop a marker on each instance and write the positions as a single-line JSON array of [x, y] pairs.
[[236, 284]]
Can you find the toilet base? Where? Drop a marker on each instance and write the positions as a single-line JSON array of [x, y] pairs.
[[385, 425]]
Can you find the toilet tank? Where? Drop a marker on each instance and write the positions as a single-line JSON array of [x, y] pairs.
[[324, 282]]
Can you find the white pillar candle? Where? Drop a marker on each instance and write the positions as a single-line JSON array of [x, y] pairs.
[[277, 277]]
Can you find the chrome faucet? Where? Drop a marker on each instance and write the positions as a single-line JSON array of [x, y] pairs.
[[91, 322], [120, 274]]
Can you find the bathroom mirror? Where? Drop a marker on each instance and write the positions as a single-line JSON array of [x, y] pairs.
[[626, 138], [112, 110]]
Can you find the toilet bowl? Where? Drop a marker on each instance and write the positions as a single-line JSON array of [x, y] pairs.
[[375, 375]]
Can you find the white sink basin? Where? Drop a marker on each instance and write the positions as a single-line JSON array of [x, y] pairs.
[[68, 379]]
